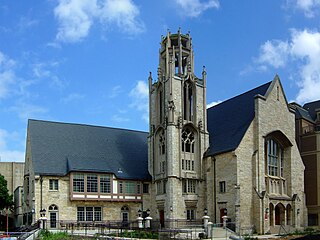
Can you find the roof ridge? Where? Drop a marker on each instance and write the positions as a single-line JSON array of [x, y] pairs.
[[87, 125], [241, 94], [311, 102]]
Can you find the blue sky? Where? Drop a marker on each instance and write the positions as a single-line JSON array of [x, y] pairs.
[[87, 61]]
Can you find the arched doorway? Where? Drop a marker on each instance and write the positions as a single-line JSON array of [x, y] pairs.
[[271, 210], [289, 214], [125, 215], [53, 215], [279, 214]]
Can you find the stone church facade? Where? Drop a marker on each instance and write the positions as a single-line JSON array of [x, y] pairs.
[[237, 159]]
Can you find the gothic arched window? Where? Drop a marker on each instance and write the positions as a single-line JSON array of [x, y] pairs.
[[188, 99], [187, 140]]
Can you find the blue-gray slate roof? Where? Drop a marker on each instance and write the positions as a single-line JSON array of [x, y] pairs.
[[311, 108], [60, 148], [302, 113], [229, 120]]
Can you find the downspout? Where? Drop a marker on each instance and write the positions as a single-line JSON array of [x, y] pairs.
[[214, 190], [41, 180]]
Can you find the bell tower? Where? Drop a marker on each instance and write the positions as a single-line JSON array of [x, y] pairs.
[[178, 132]]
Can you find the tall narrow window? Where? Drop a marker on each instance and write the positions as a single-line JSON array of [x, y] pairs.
[[78, 183], [161, 106], [105, 186], [92, 183], [274, 158], [188, 101], [222, 187], [162, 144]]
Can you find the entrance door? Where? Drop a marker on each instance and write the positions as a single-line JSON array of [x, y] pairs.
[[161, 215], [53, 220], [223, 212]]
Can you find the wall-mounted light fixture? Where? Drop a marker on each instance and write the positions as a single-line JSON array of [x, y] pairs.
[[205, 211]]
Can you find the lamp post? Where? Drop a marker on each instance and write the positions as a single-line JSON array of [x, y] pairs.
[[139, 219], [148, 219], [43, 218], [205, 220]]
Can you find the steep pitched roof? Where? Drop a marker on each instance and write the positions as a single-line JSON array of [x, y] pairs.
[[59, 148], [311, 108], [229, 120], [302, 113]]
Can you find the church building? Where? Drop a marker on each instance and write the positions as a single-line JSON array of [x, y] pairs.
[[237, 159]]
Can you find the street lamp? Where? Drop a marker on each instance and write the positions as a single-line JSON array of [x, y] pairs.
[[148, 219], [43, 218], [139, 219], [148, 212]]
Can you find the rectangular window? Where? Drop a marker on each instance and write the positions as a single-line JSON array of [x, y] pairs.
[[97, 214], [182, 164], [80, 214], [191, 214], [92, 183], [78, 183], [138, 188], [164, 186], [222, 187], [130, 187], [145, 188], [89, 214], [159, 187], [120, 187], [53, 184], [105, 185], [189, 186]]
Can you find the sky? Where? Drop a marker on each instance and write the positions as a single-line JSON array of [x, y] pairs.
[[88, 61]]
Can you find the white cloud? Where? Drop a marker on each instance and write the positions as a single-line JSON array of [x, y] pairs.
[[72, 97], [7, 155], [123, 13], [75, 17], [309, 7], [306, 47], [115, 91], [302, 49], [209, 105], [119, 119], [26, 111], [193, 8], [46, 70], [140, 96], [274, 53], [7, 75]]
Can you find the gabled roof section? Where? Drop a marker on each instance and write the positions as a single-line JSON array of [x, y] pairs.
[[229, 120], [311, 108], [60, 148], [302, 113]]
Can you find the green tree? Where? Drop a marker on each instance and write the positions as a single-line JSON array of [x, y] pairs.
[[6, 200]]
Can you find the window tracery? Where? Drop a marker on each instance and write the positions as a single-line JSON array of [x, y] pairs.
[[187, 140]]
